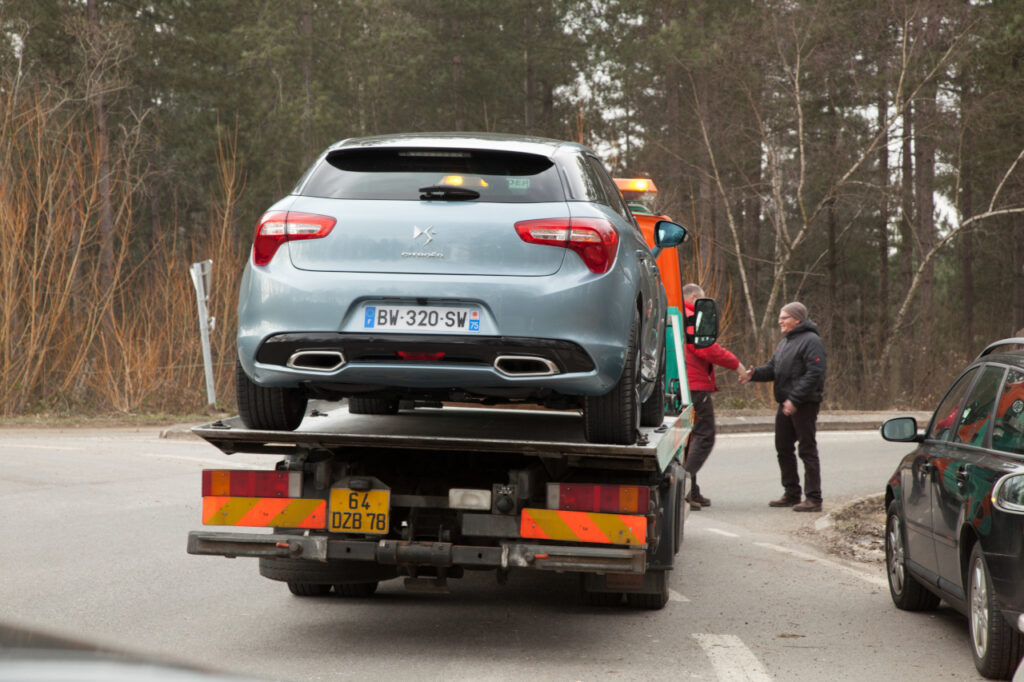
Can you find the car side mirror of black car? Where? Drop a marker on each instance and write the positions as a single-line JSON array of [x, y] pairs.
[[667, 235], [705, 323], [901, 430]]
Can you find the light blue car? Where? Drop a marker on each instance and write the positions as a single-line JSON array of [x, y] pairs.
[[454, 267]]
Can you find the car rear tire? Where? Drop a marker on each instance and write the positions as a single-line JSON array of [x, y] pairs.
[[996, 646], [268, 409], [652, 412], [373, 405], [613, 417], [906, 592]]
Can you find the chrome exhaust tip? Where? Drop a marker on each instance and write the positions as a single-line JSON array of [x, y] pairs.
[[525, 366], [316, 360]]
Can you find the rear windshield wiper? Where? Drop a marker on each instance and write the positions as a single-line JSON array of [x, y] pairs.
[[448, 192]]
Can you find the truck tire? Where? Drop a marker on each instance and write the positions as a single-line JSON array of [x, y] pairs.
[[268, 409], [324, 574], [652, 601], [652, 412], [309, 589], [373, 405], [612, 418], [355, 590]]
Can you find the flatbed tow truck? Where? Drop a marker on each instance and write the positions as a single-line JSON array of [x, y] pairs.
[[429, 493]]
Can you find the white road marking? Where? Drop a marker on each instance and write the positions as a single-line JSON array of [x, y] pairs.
[[675, 596], [875, 580], [722, 532], [731, 659]]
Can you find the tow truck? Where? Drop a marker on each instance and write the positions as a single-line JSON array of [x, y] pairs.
[[348, 501]]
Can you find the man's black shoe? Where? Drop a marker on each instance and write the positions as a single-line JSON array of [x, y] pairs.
[[784, 501], [700, 499], [694, 504], [808, 506]]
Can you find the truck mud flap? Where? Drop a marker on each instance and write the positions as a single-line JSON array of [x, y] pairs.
[[559, 558]]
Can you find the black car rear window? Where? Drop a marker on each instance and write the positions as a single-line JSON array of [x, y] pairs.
[[400, 174]]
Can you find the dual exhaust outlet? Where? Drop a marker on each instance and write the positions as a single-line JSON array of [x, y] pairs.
[[510, 365]]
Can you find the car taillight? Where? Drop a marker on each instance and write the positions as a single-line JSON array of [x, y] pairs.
[[594, 239], [277, 227], [238, 483], [615, 499]]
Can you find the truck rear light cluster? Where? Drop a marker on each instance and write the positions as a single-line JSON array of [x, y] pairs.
[[594, 239], [613, 499], [277, 227], [238, 483]]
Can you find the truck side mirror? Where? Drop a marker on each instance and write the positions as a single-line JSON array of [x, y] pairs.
[[667, 235], [705, 322]]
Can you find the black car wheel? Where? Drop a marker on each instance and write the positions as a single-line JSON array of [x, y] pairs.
[[906, 592], [996, 646], [613, 417], [268, 408], [652, 412]]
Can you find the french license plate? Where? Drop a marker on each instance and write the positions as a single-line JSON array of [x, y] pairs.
[[360, 511], [420, 318]]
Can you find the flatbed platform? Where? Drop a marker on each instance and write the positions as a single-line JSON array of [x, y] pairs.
[[541, 433]]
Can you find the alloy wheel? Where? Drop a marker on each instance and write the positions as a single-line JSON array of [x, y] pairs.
[[979, 608], [897, 571]]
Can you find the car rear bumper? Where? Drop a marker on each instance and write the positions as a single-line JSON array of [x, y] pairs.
[[578, 320]]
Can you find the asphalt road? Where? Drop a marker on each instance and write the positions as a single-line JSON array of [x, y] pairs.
[[95, 522]]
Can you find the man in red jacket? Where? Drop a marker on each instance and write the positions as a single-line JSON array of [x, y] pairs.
[[700, 371]]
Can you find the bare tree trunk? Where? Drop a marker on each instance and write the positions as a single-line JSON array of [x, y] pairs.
[[924, 179], [883, 224], [967, 265], [103, 149], [307, 82], [528, 78], [906, 251]]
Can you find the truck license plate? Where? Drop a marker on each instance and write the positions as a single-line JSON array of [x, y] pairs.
[[360, 511]]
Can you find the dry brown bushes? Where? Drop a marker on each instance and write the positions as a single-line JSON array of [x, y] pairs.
[[78, 337]]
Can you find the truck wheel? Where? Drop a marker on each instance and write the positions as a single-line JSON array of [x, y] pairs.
[[655, 601], [321, 574], [652, 412], [598, 599], [309, 589], [373, 405], [355, 590], [613, 417], [269, 409]]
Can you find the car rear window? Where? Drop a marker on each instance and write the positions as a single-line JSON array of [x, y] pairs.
[[399, 173]]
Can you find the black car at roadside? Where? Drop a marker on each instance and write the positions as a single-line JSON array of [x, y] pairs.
[[955, 523]]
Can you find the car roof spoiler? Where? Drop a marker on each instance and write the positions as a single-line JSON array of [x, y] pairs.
[[1016, 341]]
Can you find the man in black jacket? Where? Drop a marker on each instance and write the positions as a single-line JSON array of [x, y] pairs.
[[798, 369]]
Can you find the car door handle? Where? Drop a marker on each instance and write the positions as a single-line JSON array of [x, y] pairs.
[[962, 475], [926, 467]]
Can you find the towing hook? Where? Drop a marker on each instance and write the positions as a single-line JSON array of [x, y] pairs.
[[294, 550]]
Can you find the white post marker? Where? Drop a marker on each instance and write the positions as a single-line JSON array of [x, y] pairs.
[[200, 273]]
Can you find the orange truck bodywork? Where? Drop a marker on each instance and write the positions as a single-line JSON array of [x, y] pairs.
[[633, 190]]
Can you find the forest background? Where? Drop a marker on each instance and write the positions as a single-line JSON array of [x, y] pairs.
[[864, 157]]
